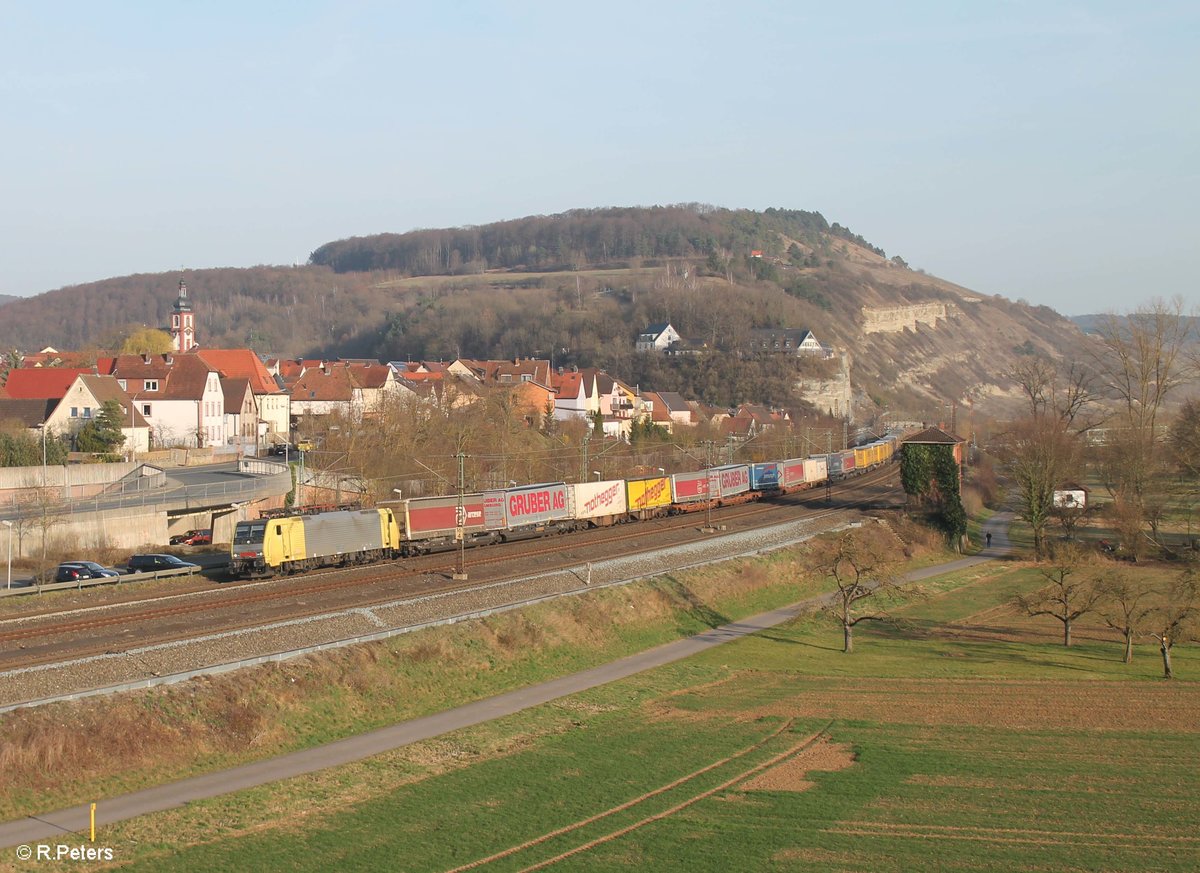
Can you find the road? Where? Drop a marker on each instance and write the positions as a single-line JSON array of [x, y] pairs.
[[75, 820]]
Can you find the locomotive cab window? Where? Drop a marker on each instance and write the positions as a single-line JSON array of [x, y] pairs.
[[249, 532]]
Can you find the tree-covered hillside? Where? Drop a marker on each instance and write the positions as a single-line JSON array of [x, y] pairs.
[[495, 292], [581, 237]]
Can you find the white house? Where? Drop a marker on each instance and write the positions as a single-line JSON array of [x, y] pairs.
[[179, 395], [657, 338]]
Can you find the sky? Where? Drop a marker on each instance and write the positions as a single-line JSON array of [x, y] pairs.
[[1040, 150]]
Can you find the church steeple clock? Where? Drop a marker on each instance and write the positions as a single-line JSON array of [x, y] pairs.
[[183, 322]]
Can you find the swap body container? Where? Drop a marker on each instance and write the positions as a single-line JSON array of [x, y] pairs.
[[644, 495], [689, 487], [594, 500], [815, 470], [526, 506], [841, 463], [765, 476], [791, 473], [433, 517], [729, 480]]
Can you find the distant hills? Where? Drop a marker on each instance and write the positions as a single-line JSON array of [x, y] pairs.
[[7, 298], [578, 287]]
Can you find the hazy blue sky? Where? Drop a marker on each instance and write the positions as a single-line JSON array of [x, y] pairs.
[[1032, 149]]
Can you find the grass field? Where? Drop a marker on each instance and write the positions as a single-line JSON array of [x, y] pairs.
[[965, 740]]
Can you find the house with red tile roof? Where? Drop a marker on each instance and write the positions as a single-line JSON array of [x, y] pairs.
[[82, 403], [42, 383], [573, 395], [272, 404], [179, 395], [326, 390]]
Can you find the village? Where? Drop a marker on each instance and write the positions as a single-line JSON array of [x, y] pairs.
[[232, 402]]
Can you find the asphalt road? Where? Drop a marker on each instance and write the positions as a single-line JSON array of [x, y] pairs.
[[75, 821]]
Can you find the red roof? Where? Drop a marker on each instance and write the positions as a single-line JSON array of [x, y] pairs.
[[42, 383], [240, 364], [317, 384], [567, 384]]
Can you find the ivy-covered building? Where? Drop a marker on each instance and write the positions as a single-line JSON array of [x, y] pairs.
[[935, 436], [931, 471]]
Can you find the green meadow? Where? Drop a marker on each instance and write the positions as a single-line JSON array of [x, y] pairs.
[[962, 739]]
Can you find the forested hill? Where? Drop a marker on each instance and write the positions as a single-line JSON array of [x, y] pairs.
[[594, 237], [580, 287]]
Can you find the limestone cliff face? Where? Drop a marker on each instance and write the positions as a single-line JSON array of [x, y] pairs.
[[897, 318], [834, 395]]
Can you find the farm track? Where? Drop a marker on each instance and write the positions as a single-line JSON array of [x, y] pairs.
[[41, 639]]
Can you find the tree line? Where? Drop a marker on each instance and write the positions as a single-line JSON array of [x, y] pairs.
[[580, 237]]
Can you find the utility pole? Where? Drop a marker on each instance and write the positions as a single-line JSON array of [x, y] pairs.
[[583, 466], [708, 447], [460, 520]]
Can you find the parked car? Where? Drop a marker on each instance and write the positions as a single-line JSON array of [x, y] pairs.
[[73, 571], [151, 563], [181, 539], [198, 538]]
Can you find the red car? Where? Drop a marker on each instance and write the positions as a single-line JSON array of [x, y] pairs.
[[198, 538]]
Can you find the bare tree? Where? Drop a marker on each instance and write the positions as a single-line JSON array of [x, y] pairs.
[[1178, 618], [1072, 591], [1069, 514], [1142, 359], [862, 563], [1044, 448], [1124, 606]]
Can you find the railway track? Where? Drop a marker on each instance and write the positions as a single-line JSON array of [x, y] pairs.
[[51, 637]]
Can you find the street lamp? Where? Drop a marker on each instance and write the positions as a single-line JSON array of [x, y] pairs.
[[8, 524], [596, 473], [133, 430], [42, 428], [662, 471]]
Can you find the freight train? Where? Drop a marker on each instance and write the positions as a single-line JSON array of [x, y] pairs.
[[421, 525]]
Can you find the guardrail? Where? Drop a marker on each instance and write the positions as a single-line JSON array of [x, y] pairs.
[[104, 580]]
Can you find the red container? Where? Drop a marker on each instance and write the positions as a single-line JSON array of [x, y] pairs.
[[689, 487], [791, 473], [429, 517]]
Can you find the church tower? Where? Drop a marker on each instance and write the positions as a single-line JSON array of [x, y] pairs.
[[183, 322]]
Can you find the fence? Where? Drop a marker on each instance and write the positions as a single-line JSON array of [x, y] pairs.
[[182, 497], [106, 580]]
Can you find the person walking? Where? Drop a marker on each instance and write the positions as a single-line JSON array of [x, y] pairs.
[[989, 539]]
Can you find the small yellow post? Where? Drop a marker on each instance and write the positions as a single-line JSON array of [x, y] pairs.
[[93, 822]]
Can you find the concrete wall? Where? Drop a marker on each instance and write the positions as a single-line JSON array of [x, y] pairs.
[[22, 485], [129, 528]]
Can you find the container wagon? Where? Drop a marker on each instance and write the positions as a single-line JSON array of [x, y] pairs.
[[649, 497], [598, 504], [431, 524], [728, 481], [765, 476], [689, 487], [527, 511]]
